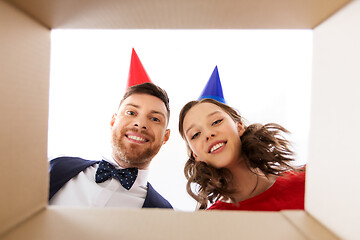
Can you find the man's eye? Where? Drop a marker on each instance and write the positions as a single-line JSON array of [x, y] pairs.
[[130, 113], [216, 122], [155, 119], [195, 135]]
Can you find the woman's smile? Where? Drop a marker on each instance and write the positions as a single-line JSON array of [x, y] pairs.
[[217, 147]]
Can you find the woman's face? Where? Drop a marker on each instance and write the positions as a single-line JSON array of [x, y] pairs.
[[213, 136]]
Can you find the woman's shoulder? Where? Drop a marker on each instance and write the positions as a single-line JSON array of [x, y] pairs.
[[292, 179], [297, 171], [220, 205]]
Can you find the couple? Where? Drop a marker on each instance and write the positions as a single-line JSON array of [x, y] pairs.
[[236, 167]]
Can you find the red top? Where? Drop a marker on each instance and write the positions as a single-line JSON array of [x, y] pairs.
[[287, 192]]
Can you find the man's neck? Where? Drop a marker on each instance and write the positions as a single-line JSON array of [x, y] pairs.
[[128, 164]]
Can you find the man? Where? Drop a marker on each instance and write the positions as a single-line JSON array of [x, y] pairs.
[[138, 130]]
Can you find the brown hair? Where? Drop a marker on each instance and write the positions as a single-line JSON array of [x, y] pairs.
[[151, 89], [263, 148]]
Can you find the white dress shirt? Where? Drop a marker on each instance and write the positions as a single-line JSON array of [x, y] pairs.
[[83, 191]]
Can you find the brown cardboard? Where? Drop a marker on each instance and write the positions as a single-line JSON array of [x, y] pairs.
[[184, 14], [24, 78], [309, 226], [69, 223], [333, 182]]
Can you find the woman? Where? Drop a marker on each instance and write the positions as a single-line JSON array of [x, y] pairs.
[[236, 166]]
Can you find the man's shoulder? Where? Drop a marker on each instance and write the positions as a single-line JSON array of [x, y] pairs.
[[62, 169], [67, 159], [68, 167], [70, 162]]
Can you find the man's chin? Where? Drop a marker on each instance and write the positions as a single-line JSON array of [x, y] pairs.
[[133, 157], [136, 159], [136, 149], [134, 154]]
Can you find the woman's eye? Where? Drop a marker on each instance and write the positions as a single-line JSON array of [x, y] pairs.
[[216, 122], [195, 135], [155, 119]]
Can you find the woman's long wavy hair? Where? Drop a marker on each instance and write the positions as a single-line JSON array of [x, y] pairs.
[[263, 147]]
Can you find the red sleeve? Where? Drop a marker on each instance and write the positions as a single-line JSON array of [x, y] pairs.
[[288, 192]]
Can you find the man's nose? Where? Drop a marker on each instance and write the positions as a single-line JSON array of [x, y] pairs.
[[140, 124]]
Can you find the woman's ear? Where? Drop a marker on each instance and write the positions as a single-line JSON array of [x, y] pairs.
[[113, 118], [194, 156], [240, 128]]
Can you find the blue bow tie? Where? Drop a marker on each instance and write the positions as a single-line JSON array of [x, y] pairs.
[[126, 176]]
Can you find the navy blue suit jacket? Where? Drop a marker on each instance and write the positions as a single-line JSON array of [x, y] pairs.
[[63, 169]]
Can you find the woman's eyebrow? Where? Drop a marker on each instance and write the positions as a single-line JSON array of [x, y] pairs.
[[213, 113], [209, 115], [191, 126]]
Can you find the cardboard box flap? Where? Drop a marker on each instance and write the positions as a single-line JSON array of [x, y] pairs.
[[24, 76], [114, 223]]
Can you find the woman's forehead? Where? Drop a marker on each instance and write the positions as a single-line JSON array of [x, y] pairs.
[[201, 111], [204, 109]]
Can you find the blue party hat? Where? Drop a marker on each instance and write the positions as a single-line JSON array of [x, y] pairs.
[[213, 88]]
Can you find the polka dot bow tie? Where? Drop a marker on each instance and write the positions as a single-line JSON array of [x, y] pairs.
[[126, 176]]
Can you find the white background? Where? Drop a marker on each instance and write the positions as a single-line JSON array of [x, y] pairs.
[[265, 74]]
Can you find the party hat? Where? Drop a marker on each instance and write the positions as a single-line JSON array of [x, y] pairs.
[[137, 73], [213, 88]]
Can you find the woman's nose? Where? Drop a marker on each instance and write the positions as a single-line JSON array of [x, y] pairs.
[[211, 136]]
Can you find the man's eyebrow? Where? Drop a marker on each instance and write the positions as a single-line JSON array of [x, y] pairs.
[[209, 115], [132, 105], [157, 112], [153, 111]]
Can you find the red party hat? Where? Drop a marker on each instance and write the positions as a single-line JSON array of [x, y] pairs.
[[137, 73]]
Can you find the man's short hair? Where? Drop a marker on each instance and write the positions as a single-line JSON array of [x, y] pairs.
[[151, 89]]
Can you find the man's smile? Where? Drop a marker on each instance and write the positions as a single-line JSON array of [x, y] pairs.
[[136, 138]]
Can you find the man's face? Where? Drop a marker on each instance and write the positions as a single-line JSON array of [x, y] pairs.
[[138, 130]]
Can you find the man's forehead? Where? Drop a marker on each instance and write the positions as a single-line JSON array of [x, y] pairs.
[[144, 101]]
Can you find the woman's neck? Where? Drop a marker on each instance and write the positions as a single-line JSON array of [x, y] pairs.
[[249, 183]]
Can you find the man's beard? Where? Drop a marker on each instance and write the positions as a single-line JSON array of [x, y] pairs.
[[132, 154]]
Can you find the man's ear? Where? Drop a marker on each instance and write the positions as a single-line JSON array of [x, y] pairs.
[[113, 118], [240, 128], [166, 136]]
